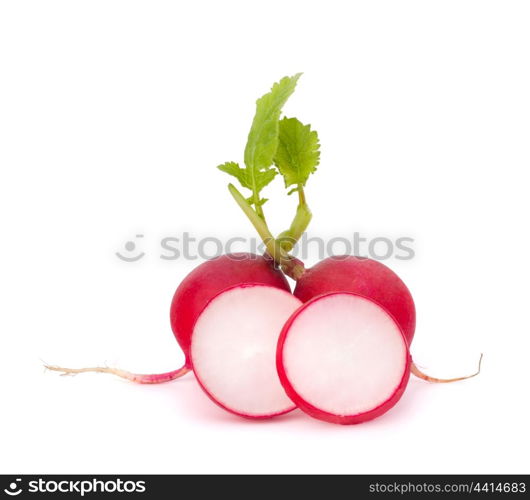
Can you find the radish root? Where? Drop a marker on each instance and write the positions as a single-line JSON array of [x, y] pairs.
[[418, 373], [157, 378]]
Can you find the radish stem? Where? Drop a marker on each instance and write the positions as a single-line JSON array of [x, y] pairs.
[[291, 266], [302, 218]]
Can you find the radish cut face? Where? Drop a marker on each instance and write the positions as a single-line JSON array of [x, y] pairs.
[[342, 358], [233, 349]]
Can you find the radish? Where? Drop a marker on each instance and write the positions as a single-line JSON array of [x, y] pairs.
[[192, 295], [233, 349], [208, 280], [218, 274], [375, 281], [362, 356], [342, 358], [362, 276]]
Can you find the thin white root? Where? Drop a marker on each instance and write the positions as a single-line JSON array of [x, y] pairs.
[[157, 378], [418, 373]]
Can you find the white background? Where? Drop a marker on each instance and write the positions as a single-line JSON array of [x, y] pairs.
[[113, 116]]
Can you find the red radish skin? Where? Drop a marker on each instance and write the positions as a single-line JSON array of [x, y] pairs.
[[233, 349], [202, 284], [365, 277], [310, 337]]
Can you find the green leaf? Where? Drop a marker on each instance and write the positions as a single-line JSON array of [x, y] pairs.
[[264, 177], [263, 136], [298, 152], [262, 140], [261, 178], [241, 174]]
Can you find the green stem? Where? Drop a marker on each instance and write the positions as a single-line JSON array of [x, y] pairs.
[[301, 195], [291, 266], [302, 218], [259, 209]]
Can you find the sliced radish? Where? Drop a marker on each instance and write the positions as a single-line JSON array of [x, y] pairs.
[[343, 359], [233, 349]]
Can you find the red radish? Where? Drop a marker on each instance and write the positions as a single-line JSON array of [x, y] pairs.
[[233, 349], [342, 358], [365, 277], [208, 280], [194, 292]]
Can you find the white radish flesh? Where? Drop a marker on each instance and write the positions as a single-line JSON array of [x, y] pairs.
[[343, 358], [233, 349]]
